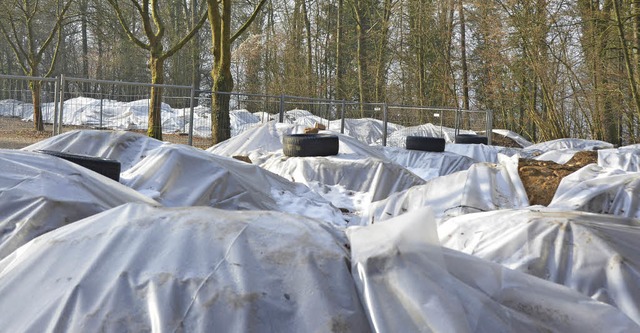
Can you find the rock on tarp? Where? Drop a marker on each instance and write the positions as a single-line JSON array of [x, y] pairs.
[[178, 175], [483, 187], [600, 190], [40, 193], [409, 283], [138, 268], [128, 148], [596, 255]]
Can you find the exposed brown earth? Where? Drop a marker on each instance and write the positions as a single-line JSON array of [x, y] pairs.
[[541, 178]]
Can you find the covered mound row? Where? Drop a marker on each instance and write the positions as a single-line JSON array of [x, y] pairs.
[[176, 176]]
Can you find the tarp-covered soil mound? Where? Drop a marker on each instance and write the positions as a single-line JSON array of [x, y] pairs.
[[40, 193], [409, 283], [140, 269], [128, 148], [597, 255]]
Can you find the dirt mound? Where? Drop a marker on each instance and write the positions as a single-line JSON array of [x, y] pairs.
[[541, 178], [503, 141]]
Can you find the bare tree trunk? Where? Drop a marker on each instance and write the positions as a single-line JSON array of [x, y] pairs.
[[155, 103], [627, 61], [36, 87], [340, 70], [364, 52], [463, 54], [310, 72], [85, 42]]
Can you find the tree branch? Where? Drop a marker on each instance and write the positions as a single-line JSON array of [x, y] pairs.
[[248, 22], [187, 38], [123, 24], [57, 27]]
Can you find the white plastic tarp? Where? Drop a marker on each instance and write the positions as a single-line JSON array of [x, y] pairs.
[[409, 283], [560, 156], [377, 177], [625, 158], [478, 152], [261, 140], [366, 130], [40, 193], [428, 165], [600, 190], [177, 175], [597, 255], [568, 143], [484, 187], [128, 148], [519, 139], [398, 138], [142, 269]]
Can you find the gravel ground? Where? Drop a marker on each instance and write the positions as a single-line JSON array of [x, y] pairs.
[[16, 134]]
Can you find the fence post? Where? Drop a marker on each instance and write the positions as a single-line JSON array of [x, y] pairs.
[[281, 118], [61, 114], [55, 107], [489, 129], [101, 109], [342, 118], [457, 124], [191, 110], [384, 124]]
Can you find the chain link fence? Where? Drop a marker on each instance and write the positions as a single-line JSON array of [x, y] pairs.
[[69, 103], [17, 98]]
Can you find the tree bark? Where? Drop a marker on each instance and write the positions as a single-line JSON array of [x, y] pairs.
[[220, 20], [463, 54]]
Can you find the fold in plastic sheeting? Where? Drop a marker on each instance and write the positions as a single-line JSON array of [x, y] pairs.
[[398, 138], [569, 144], [560, 156], [136, 268], [513, 136], [408, 283], [261, 140], [40, 193], [177, 175], [596, 255], [428, 165], [366, 130], [484, 187], [478, 152], [128, 148], [377, 177], [600, 190], [625, 158]]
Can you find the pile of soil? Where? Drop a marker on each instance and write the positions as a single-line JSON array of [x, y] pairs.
[[503, 141], [541, 178]]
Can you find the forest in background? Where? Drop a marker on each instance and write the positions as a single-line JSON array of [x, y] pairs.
[[546, 68]]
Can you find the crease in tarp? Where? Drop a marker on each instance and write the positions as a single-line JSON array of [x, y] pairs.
[[206, 279], [458, 292]]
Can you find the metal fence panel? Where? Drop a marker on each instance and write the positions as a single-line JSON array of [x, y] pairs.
[[16, 98], [186, 113]]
